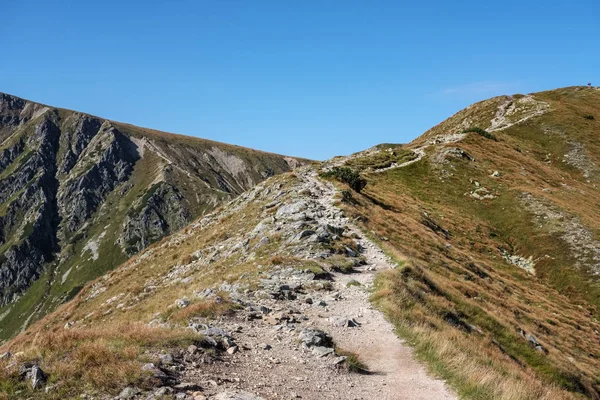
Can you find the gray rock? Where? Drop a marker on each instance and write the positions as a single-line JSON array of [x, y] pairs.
[[264, 346], [163, 391], [304, 234], [339, 360], [182, 303], [229, 395], [262, 242], [264, 310], [228, 342], [187, 386], [292, 211], [350, 252], [208, 341], [5, 356], [214, 332], [37, 376], [342, 322], [192, 349], [538, 346], [314, 337], [321, 351], [336, 230], [166, 359], [48, 389], [129, 393]]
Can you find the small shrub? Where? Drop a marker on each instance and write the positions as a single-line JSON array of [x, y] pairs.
[[210, 308], [348, 176], [588, 116], [481, 132], [353, 363], [347, 197], [277, 260]]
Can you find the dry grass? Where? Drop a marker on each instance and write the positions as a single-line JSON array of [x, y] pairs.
[[456, 300], [476, 369], [102, 343], [210, 308], [103, 359], [353, 362]]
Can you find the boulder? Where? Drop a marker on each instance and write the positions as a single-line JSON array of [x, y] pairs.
[[129, 393], [37, 377], [166, 359], [182, 303], [322, 351], [314, 337]]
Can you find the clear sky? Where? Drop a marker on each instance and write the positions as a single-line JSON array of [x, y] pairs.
[[305, 78]]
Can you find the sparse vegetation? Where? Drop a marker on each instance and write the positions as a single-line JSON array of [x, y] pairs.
[[481, 132], [384, 157], [348, 176], [353, 282], [101, 358], [461, 306], [352, 363], [588, 116], [208, 308]]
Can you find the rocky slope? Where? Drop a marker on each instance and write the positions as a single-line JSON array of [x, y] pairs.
[[274, 290], [80, 194]]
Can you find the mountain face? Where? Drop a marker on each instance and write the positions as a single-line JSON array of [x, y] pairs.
[[479, 242], [80, 194]]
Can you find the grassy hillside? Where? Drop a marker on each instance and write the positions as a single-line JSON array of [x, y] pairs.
[[497, 231], [492, 218]]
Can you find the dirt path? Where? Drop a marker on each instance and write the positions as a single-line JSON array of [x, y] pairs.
[[396, 374], [271, 362]]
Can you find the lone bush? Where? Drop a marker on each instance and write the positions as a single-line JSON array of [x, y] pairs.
[[590, 117], [481, 132], [348, 176]]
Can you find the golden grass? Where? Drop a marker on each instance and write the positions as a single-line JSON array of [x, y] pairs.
[[208, 308], [455, 299], [103, 359], [474, 368], [103, 350]]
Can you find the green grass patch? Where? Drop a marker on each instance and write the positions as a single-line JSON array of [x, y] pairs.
[[481, 132]]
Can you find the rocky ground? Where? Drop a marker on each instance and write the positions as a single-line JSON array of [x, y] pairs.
[[297, 334]]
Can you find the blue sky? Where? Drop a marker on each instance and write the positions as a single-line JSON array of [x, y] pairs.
[[305, 78]]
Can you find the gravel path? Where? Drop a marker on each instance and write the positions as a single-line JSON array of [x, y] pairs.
[[396, 374], [270, 361]]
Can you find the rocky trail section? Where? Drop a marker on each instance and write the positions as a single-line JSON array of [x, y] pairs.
[[296, 332], [516, 110]]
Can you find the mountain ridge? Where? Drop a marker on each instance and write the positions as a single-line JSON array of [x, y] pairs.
[[478, 242], [145, 129], [163, 181]]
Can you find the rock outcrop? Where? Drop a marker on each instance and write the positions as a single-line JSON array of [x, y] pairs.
[[81, 194]]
